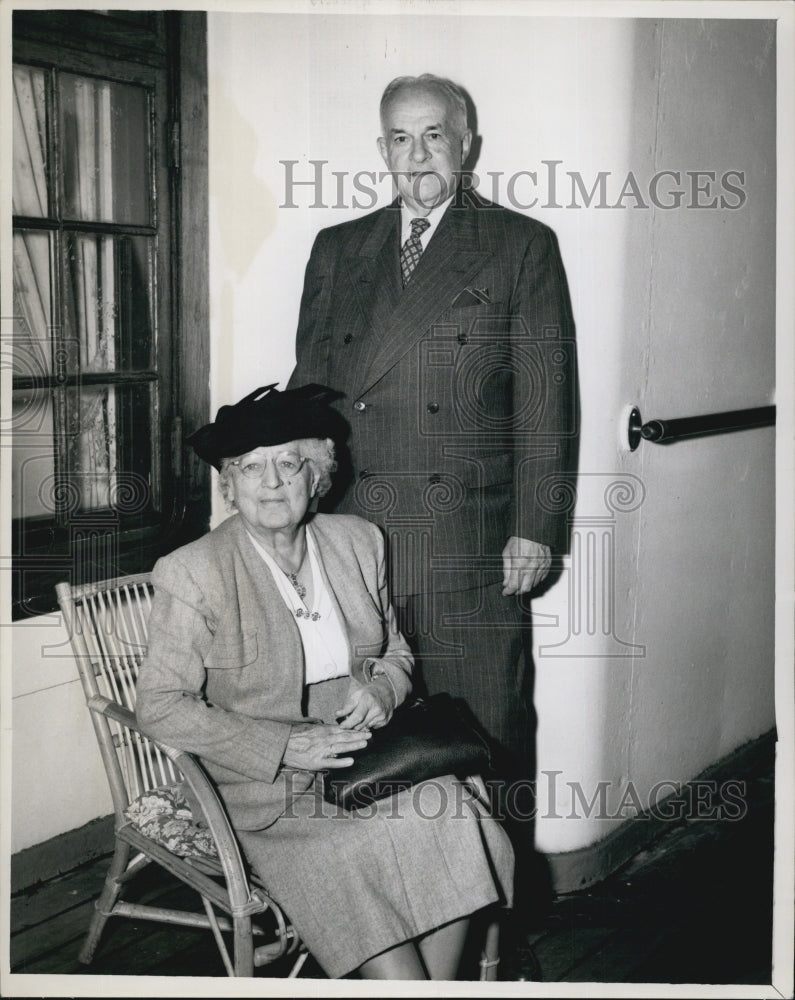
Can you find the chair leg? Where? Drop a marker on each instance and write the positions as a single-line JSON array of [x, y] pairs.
[[219, 940], [298, 964], [491, 953], [244, 946], [104, 905]]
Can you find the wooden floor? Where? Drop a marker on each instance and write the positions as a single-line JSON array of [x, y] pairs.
[[693, 907]]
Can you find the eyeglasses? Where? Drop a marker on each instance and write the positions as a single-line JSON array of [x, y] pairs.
[[287, 465]]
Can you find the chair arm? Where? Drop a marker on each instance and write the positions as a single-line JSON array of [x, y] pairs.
[[217, 821], [213, 811], [478, 788], [112, 710]]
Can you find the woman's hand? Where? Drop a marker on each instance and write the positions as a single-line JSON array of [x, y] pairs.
[[312, 746], [367, 706]]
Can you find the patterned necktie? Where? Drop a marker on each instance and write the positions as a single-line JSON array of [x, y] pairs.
[[412, 249]]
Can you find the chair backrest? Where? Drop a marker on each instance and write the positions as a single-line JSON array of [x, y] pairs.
[[108, 632]]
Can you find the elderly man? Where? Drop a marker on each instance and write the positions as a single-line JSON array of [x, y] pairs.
[[445, 320]]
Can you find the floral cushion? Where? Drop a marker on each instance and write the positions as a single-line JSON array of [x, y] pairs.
[[164, 816]]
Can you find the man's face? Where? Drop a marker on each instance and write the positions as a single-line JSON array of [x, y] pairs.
[[423, 147]]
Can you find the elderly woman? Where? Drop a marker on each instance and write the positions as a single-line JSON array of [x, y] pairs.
[[273, 652]]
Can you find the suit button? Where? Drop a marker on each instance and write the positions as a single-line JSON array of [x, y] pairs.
[[347, 338], [364, 474], [463, 338], [360, 405], [433, 407], [434, 480]]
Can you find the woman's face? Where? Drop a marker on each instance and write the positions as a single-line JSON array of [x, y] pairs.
[[272, 487]]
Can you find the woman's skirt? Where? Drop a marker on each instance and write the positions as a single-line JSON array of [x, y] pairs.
[[355, 884]]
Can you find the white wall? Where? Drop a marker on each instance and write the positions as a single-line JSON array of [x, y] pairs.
[[58, 781], [692, 562], [694, 333], [709, 339]]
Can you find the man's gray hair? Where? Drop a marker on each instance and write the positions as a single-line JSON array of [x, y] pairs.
[[451, 91]]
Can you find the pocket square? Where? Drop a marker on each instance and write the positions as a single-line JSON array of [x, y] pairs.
[[472, 297]]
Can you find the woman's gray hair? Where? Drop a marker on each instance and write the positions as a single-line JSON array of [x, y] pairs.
[[451, 91], [319, 453]]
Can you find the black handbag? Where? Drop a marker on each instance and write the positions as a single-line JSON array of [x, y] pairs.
[[424, 739]]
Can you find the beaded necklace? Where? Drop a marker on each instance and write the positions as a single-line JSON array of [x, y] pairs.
[[300, 589]]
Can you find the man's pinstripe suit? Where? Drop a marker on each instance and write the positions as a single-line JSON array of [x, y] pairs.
[[459, 391]]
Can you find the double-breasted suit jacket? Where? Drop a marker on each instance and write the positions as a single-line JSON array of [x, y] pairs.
[[224, 673], [459, 389]]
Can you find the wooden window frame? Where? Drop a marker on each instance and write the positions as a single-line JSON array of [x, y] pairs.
[[82, 546]]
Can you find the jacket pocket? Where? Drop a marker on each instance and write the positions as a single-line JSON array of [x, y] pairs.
[[489, 470], [232, 649], [495, 307]]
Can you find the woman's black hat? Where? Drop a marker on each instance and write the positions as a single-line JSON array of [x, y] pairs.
[[266, 417]]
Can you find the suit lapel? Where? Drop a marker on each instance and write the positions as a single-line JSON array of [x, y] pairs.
[[341, 585], [375, 270], [277, 623], [345, 584], [452, 259]]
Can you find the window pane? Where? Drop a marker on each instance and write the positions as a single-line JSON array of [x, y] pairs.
[[105, 142], [143, 20], [32, 304], [33, 462], [110, 447], [30, 142], [109, 301]]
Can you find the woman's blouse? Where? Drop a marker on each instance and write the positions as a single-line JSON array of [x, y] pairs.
[[326, 650]]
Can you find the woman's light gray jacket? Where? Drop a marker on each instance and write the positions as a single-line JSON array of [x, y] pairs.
[[224, 674]]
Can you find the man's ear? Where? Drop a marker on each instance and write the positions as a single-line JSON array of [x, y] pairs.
[[466, 144], [382, 149]]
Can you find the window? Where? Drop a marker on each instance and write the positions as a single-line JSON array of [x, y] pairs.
[[107, 375]]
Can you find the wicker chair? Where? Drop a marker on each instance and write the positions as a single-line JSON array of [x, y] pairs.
[[107, 624]]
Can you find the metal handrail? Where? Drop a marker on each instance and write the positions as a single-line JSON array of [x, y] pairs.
[[666, 431]]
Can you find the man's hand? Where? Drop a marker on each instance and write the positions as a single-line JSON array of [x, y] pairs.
[[312, 746], [367, 706], [524, 565]]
